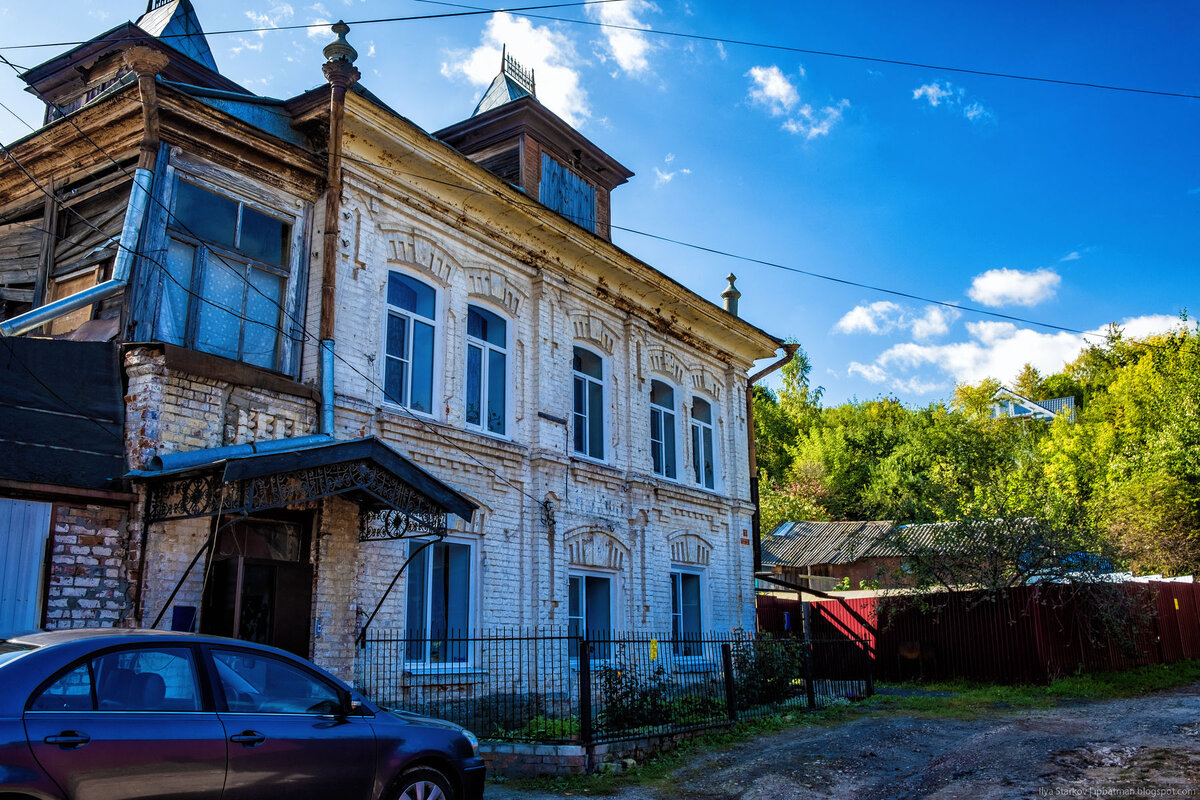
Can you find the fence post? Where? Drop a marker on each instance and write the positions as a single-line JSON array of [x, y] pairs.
[[730, 690], [585, 691], [867, 662], [809, 680]]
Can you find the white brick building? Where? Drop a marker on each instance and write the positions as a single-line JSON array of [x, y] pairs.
[[592, 409]]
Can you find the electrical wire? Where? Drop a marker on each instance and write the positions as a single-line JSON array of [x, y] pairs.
[[828, 53], [300, 326], [269, 28]]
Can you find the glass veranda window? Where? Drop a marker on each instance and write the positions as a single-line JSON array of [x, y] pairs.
[[408, 345], [588, 414], [487, 362], [438, 607], [224, 279], [703, 462], [662, 429]]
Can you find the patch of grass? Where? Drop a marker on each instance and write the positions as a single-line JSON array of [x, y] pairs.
[[961, 699], [967, 698]]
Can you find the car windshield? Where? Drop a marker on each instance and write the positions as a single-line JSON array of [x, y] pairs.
[[10, 651]]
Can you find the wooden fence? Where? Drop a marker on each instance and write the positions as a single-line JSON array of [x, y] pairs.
[[1029, 634]]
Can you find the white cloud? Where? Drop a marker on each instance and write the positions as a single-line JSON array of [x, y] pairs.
[[628, 48], [872, 372], [884, 316], [999, 350], [319, 28], [999, 287], [772, 90], [935, 321], [877, 318], [775, 92], [944, 93], [1071, 256], [662, 177], [276, 15], [810, 124], [550, 53], [935, 93], [721, 51], [246, 44]]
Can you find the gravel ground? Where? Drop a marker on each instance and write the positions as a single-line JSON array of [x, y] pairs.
[[1143, 747]]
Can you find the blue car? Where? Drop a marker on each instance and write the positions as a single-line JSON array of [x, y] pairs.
[[109, 713]]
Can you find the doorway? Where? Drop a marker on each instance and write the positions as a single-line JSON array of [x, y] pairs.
[[260, 586]]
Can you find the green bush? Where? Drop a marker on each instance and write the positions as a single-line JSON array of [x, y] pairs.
[[767, 670]]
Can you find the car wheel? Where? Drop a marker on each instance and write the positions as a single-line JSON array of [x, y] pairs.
[[423, 783]]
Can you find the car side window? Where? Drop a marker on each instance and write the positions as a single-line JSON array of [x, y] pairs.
[[71, 692], [254, 682], [149, 679], [145, 679]]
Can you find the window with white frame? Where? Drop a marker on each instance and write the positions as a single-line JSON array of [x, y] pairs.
[[487, 370], [662, 429], [589, 612], [704, 465], [588, 416], [686, 617], [438, 609], [409, 342], [225, 277]]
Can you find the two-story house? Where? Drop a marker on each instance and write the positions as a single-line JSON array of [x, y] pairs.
[[369, 375]]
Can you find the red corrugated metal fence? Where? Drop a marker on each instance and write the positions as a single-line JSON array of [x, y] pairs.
[[1030, 633]]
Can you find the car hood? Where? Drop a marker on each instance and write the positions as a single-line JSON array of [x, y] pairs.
[[410, 718]]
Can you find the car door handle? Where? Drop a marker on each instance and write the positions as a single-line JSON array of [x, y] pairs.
[[248, 738], [68, 739]]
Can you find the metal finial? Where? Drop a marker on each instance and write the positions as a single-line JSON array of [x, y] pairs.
[[339, 49], [731, 295]]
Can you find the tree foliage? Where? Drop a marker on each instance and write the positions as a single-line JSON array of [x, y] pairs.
[[1121, 478]]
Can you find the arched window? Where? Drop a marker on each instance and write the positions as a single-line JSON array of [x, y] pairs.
[[588, 417], [704, 465], [409, 342], [487, 370], [662, 429]]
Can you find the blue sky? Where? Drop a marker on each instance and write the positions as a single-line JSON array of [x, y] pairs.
[[1073, 206]]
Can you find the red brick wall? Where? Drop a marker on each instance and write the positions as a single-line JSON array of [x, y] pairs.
[[93, 567]]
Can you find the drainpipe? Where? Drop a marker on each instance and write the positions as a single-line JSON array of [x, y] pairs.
[[789, 351], [146, 63], [340, 73]]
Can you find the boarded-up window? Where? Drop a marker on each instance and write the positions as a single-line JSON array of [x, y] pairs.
[[67, 286], [24, 528], [565, 192]]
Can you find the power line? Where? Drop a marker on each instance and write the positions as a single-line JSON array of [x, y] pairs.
[[525, 11], [300, 326], [378, 21], [833, 54]]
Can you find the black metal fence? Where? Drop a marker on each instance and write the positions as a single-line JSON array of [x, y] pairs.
[[513, 685]]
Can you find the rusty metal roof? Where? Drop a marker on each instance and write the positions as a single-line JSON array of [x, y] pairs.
[[805, 544], [802, 544]]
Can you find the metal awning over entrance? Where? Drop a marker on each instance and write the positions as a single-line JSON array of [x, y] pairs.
[[396, 498]]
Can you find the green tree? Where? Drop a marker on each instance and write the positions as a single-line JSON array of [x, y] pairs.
[[1028, 383]]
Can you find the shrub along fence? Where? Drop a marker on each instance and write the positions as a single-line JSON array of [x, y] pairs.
[[512, 685]]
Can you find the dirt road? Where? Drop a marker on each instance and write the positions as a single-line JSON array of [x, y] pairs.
[[1143, 747]]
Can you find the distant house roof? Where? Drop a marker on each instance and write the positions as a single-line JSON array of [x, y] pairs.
[[806, 544], [802, 544], [1007, 403]]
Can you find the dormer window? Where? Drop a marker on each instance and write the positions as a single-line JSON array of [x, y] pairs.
[[565, 192]]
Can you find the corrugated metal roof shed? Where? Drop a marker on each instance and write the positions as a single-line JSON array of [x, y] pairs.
[[804, 544]]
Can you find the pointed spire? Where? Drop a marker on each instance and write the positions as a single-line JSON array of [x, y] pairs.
[[176, 24]]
